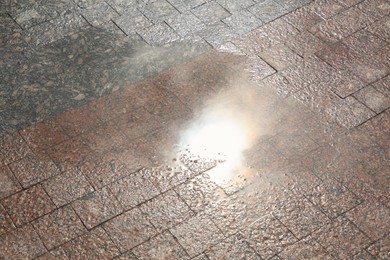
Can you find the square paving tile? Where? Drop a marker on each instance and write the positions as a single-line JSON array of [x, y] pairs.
[[210, 12], [158, 10], [131, 22], [166, 210], [78, 121], [300, 216], [44, 135], [97, 207], [167, 177], [186, 24], [134, 189], [267, 236], [373, 99], [381, 248], [6, 224], [341, 238], [70, 153], [12, 148], [59, 227], [130, 229], [234, 247], [21, 243], [58, 253], [99, 14], [66, 187], [28, 205], [306, 248], [243, 21], [267, 10], [163, 246], [101, 170], [95, 244], [105, 137], [8, 183], [195, 240], [333, 198], [159, 34], [368, 217], [33, 169]]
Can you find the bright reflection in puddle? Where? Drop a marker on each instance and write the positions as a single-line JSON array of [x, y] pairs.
[[226, 127]]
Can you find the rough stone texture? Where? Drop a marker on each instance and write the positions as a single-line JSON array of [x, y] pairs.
[[101, 102]]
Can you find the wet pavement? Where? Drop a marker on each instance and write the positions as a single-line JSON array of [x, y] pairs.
[[194, 129]]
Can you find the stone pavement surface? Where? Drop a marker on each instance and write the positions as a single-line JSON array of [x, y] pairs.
[[177, 129]]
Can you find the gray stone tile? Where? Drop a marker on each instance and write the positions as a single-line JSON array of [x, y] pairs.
[[131, 22], [210, 12], [293, 4], [99, 14], [234, 5], [242, 22], [57, 8], [218, 34], [125, 6], [186, 24], [159, 34], [267, 10], [158, 10], [85, 4], [185, 5]]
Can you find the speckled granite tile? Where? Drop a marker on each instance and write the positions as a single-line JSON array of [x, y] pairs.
[[12, 148], [97, 207], [44, 134], [268, 236], [28, 205], [69, 154], [234, 247], [195, 240], [21, 243], [9, 184], [161, 246], [6, 224], [95, 244], [166, 211], [34, 168], [57, 253], [129, 229], [134, 189], [67, 187], [100, 13], [59, 227]]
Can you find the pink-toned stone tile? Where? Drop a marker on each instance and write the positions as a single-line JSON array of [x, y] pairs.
[[373, 99], [134, 189], [34, 168], [66, 187], [70, 153], [333, 198], [341, 238], [234, 247], [59, 227], [12, 148], [28, 205], [371, 217], [163, 246], [57, 253], [78, 121], [166, 211], [300, 216], [6, 223], [8, 183], [21, 243], [381, 248], [44, 134], [130, 229], [95, 244], [97, 207], [267, 236], [306, 248], [104, 169], [195, 240]]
